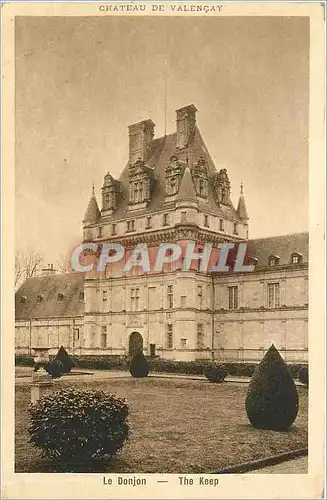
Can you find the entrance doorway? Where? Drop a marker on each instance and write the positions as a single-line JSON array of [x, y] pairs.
[[135, 343]]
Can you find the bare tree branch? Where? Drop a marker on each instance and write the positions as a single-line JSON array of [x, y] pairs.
[[27, 266]]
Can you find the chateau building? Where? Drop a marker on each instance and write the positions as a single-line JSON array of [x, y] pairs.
[[171, 191]]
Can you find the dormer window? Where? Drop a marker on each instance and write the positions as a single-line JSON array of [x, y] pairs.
[[273, 260], [253, 261], [60, 297], [140, 184], [173, 174], [296, 258], [200, 178]]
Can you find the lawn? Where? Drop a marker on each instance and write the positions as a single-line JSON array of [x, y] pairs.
[[178, 426]]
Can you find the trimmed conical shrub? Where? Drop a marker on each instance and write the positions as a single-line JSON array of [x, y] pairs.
[[139, 366], [272, 400], [65, 359]]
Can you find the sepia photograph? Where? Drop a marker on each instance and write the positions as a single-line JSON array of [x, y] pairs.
[[162, 273]]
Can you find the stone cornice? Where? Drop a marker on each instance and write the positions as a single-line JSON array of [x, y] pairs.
[[172, 234]]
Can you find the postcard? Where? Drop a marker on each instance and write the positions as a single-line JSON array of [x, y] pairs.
[[163, 273]]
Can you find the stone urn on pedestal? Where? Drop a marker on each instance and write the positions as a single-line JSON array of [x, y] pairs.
[[42, 383]]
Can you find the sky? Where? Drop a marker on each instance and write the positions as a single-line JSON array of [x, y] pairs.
[[80, 81]]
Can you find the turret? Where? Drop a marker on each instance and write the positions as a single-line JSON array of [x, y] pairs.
[[241, 207]]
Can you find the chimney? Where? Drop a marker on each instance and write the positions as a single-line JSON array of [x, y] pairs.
[[140, 138], [48, 270], [185, 118]]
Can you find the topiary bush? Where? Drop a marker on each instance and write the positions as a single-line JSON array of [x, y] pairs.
[[77, 425], [303, 375], [272, 399], [54, 368], [65, 359], [215, 373], [139, 366]]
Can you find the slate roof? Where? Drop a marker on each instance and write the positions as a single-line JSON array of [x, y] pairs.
[[241, 208], [280, 246], [158, 157], [186, 190], [71, 285], [92, 213]]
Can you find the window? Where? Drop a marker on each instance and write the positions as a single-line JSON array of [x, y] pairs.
[[273, 261], [103, 344], [273, 295], [60, 297], [113, 229], [76, 333], [131, 225], [99, 232], [23, 299], [183, 342], [200, 296], [104, 295], [206, 220], [235, 228], [221, 225], [135, 299], [148, 222], [223, 195], [200, 336], [39, 298], [165, 219], [253, 261], [233, 297], [296, 258], [170, 297], [183, 219], [183, 301], [169, 336], [81, 295]]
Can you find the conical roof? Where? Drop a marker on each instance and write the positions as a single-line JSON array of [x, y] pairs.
[[92, 213], [241, 207], [186, 189]]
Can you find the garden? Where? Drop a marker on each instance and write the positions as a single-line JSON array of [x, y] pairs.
[[175, 425]]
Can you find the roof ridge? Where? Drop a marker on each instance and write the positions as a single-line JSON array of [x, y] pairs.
[[279, 236]]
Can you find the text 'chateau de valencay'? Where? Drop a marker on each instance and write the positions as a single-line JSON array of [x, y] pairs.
[[171, 191]]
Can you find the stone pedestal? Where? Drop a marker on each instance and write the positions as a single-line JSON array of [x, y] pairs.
[[42, 385]]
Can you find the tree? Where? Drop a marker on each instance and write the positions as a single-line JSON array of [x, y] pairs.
[[27, 266], [272, 400], [139, 366]]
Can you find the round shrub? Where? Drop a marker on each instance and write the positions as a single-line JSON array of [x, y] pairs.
[[77, 425], [139, 366], [303, 375], [272, 400], [215, 373]]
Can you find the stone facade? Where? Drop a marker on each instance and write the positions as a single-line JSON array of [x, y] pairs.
[[170, 191]]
